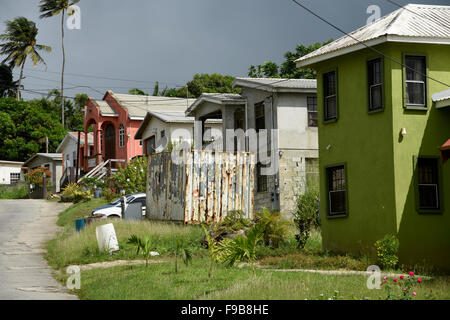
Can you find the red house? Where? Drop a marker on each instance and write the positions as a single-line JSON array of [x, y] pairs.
[[115, 121]]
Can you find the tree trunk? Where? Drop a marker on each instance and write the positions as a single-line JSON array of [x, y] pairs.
[[63, 66], [20, 79]]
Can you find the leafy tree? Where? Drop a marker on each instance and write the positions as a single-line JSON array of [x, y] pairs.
[[32, 121], [267, 70], [19, 43], [133, 177], [137, 92], [8, 87], [156, 89], [288, 68], [203, 83], [50, 8]]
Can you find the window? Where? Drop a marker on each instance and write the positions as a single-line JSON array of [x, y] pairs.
[[261, 179], [14, 177], [415, 81], [140, 142], [428, 183], [329, 90], [312, 111], [375, 84], [163, 133], [337, 194], [260, 120], [121, 136], [74, 159]]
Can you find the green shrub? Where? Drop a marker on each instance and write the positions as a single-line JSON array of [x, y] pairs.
[[233, 222], [18, 191], [109, 194], [274, 227], [387, 249], [75, 193], [132, 178], [306, 215]]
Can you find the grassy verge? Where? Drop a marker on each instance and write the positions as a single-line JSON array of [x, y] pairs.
[[159, 281], [14, 192]]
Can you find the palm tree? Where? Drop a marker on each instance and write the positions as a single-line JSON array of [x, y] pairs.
[[8, 87], [19, 43], [50, 8]]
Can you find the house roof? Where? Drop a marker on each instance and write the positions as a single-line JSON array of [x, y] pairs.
[[441, 99], [219, 98], [11, 162], [74, 136], [105, 109], [411, 23], [168, 117], [277, 84], [50, 156], [138, 105]]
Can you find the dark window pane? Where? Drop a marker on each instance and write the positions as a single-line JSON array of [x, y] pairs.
[[312, 111], [330, 108], [428, 183], [260, 121], [261, 179], [415, 68], [415, 93], [376, 97], [337, 190]]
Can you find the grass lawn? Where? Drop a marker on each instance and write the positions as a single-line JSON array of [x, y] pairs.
[[159, 280]]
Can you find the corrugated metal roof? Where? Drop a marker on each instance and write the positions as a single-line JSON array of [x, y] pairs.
[[105, 108], [52, 156], [90, 137], [439, 96], [414, 21], [219, 98], [138, 105], [275, 83]]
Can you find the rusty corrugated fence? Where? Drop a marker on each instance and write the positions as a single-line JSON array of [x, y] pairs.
[[203, 187]]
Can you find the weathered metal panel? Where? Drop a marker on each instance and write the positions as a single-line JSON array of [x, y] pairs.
[[204, 187]]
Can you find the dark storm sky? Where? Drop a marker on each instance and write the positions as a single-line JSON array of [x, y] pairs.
[[171, 40]]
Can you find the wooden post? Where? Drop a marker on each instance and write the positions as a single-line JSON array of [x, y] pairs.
[[44, 186]]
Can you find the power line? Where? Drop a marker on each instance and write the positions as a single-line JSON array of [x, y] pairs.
[[367, 46]]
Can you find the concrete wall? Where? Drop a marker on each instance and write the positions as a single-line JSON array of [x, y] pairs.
[[296, 142], [379, 162], [6, 169]]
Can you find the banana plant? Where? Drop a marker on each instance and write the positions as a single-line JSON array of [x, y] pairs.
[[144, 245]]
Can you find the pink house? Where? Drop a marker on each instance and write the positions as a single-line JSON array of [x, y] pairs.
[[115, 120]]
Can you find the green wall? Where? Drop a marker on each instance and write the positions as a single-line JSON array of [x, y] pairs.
[[424, 237], [379, 170]]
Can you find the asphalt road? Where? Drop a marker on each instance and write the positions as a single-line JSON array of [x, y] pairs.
[[25, 226]]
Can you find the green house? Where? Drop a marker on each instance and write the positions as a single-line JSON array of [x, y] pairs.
[[384, 123]]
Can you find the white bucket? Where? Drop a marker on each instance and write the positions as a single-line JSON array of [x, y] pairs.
[[106, 238]]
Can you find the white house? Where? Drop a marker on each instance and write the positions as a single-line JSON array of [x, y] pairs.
[[51, 161], [68, 149], [11, 172], [158, 128], [288, 107]]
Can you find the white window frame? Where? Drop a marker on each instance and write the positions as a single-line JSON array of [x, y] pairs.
[[121, 136]]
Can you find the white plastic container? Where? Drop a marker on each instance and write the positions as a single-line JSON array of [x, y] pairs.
[[106, 238]]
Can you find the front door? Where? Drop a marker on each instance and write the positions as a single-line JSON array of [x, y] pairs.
[[110, 142], [150, 146]]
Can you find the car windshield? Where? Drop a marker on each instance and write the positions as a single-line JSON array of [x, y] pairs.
[[118, 200]]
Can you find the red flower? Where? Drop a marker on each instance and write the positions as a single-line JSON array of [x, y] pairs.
[[419, 280], [395, 280], [411, 274], [402, 277], [381, 283]]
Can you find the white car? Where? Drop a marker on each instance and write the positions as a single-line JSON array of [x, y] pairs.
[[114, 210]]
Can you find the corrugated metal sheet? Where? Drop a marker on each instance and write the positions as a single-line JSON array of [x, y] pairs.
[[414, 20], [204, 188]]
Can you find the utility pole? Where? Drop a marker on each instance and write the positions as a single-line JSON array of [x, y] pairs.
[[78, 156]]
